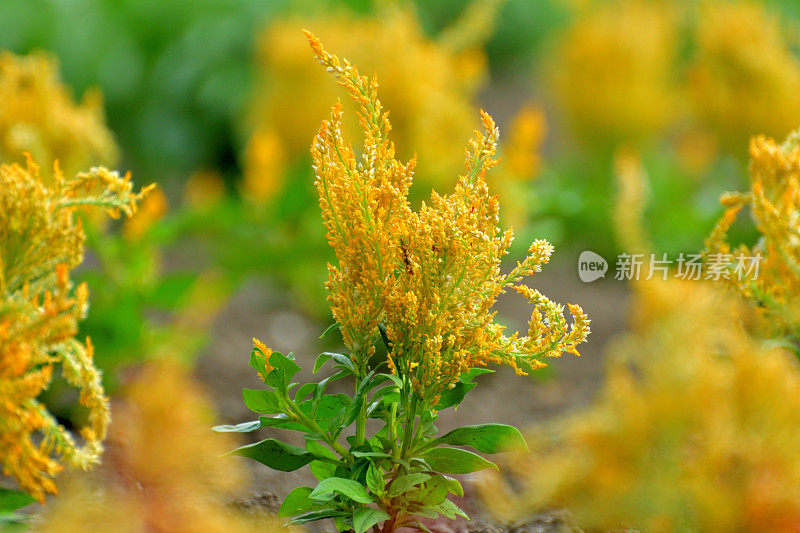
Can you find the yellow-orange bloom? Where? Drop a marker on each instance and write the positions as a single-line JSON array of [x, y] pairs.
[[41, 240], [614, 71], [162, 471], [429, 84], [430, 276], [767, 273]]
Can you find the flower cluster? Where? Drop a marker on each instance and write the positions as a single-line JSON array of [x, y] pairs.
[[41, 240], [692, 431], [430, 276], [428, 84], [39, 116], [774, 202]]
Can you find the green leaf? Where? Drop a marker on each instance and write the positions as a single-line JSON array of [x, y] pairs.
[[258, 362], [313, 516], [321, 450], [321, 360], [341, 359], [284, 368], [396, 380], [276, 455], [327, 406], [436, 491], [328, 488], [450, 510], [454, 486], [453, 397], [304, 390], [321, 469], [374, 455], [486, 438], [11, 500], [328, 330], [375, 481], [282, 422], [385, 337], [473, 373], [366, 517], [262, 401], [403, 483], [456, 461], [244, 427], [297, 502]]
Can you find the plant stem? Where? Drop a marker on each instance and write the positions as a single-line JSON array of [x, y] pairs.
[[393, 429], [408, 432], [361, 421], [312, 424]]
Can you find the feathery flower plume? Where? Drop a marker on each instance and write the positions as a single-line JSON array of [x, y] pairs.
[[774, 202], [41, 240], [429, 276]]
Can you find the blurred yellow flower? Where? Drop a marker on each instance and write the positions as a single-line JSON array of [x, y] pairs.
[[203, 188], [428, 85], [613, 71], [521, 157], [41, 240], [38, 116], [745, 77], [521, 151], [694, 429], [265, 165]]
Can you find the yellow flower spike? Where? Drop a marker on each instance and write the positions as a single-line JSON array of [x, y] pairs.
[[162, 471], [428, 275], [431, 113], [41, 240], [768, 273], [695, 414]]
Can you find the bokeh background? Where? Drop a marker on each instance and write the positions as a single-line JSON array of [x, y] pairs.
[[217, 102]]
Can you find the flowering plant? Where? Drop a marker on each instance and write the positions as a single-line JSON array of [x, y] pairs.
[[41, 240], [421, 284]]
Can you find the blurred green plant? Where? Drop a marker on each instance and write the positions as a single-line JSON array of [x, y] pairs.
[[175, 74]]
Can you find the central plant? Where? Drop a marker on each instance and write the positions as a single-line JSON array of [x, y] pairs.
[[421, 283]]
